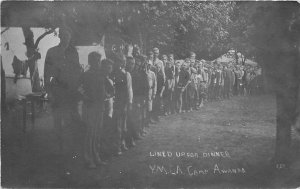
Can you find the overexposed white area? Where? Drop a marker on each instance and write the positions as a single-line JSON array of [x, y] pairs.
[[14, 37], [45, 44], [83, 52]]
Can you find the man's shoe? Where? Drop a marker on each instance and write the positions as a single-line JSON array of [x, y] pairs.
[[124, 147]]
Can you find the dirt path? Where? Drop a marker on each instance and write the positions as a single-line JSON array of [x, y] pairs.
[[226, 144]]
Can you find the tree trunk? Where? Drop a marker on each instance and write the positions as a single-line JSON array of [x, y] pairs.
[[286, 82], [32, 58], [283, 129], [29, 42]]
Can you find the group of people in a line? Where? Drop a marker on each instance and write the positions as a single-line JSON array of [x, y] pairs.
[[128, 94]]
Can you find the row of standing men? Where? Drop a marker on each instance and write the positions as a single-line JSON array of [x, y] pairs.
[[127, 94]]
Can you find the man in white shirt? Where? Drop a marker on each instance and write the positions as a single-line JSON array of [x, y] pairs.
[[159, 71]]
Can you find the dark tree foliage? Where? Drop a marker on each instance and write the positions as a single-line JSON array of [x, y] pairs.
[[177, 26]]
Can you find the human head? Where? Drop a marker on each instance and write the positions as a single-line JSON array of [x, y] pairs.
[[164, 58], [156, 52], [168, 64], [130, 63], [107, 66], [64, 35], [94, 59], [200, 65], [192, 56], [144, 62], [171, 58], [138, 62], [136, 51], [150, 55], [178, 64], [187, 61]]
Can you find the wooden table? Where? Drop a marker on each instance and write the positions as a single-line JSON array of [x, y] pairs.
[[31, 98]]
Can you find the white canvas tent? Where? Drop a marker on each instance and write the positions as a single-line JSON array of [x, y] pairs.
[[12, 44]]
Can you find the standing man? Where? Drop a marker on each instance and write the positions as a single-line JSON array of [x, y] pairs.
[[159, 71], [108, 129], [232, 80], [193, 87], [123, 102], [139, 88], [227, 82], [169, 88], [60, 81], [183, 82], [219, 80], [151, 92], [173, 94], [201, 80], [93, 92], [176, 89]]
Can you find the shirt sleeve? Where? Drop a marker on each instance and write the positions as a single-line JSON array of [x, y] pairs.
[[163, 72], [48, 70]]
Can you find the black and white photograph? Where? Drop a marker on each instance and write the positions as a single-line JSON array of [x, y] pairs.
[[150, 94]]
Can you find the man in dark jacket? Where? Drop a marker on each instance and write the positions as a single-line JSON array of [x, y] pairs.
[[227, 81], [61, 77], [93, 92]]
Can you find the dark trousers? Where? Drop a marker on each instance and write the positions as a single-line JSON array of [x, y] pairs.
[[157, 107], [181, 98], [93, 139], [168, 101], [61, 117], [120, 117], [135, 121]]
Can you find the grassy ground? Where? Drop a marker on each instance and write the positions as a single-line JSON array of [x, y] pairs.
[[242, 128]]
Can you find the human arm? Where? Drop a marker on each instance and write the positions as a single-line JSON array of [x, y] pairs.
[[154, 85], [129, 88]]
